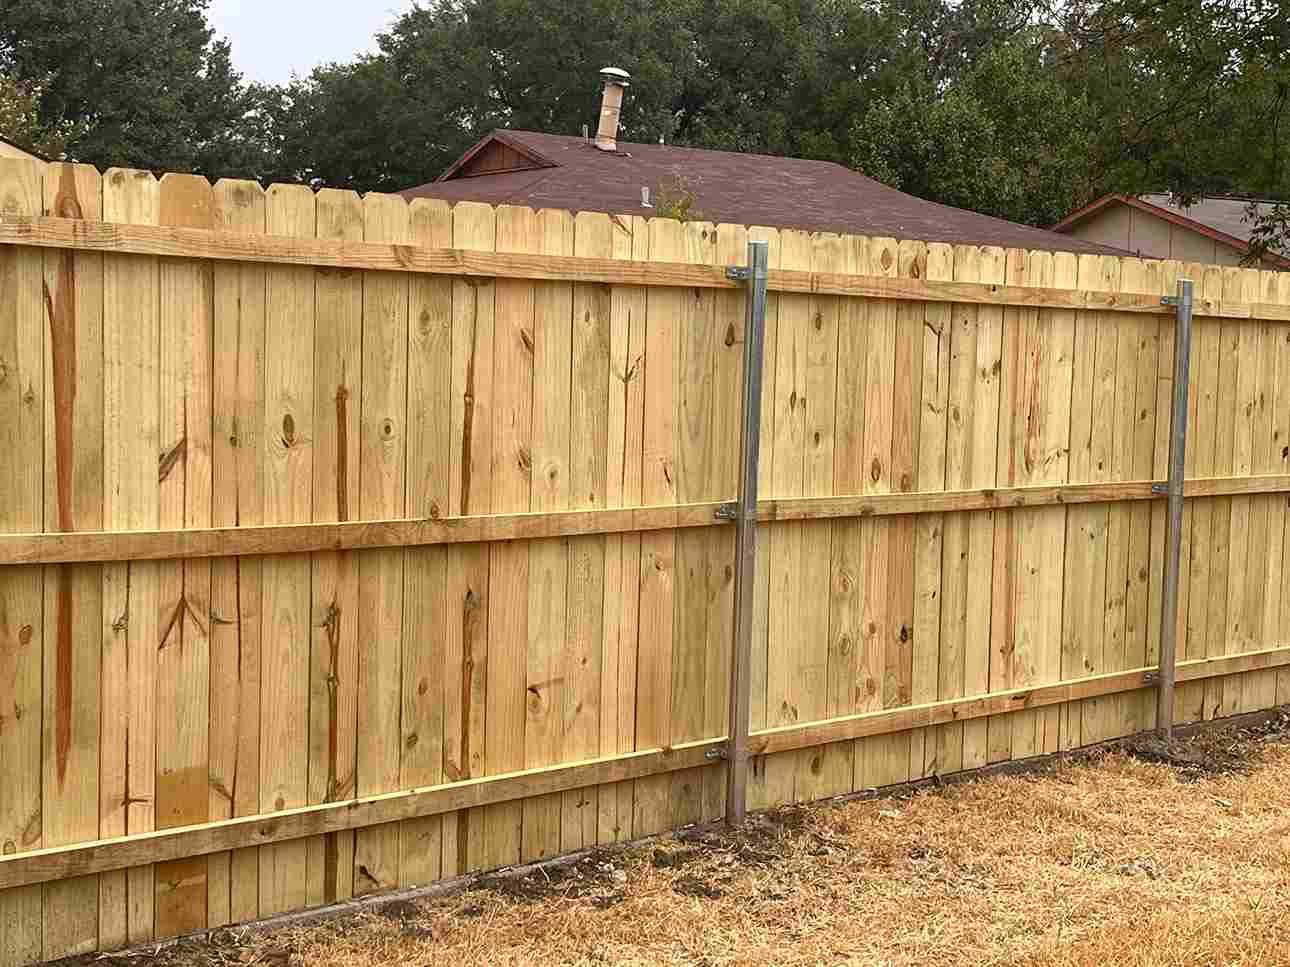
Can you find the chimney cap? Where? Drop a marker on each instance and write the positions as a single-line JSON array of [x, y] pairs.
[[615, 75]]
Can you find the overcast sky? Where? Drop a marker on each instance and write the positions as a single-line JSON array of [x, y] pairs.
[[273, 38]]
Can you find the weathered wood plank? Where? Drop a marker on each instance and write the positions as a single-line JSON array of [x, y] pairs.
[[974, 708], [508, 564], [426, 609], [929, 529], [1281, 440], [183, 653], [333, 659], [132, 608], [848, 582], [238, 500], [626, 416], [287, 597], [52, 548], [787, 479], [547, 669], [663, 307], [875, 758], [1228, 511], [50, 232], [696, 569], [73, 593], [44, 865], [151, 545], [582, 311], [1084, 596], [382, 487], [473, 226], [290, 825], [22, 632]]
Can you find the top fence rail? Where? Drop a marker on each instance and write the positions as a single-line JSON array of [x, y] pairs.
[[195, 243]]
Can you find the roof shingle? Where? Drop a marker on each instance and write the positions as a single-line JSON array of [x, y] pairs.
[[747, 189]]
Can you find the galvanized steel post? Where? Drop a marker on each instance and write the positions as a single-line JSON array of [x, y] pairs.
[[1173, 532], [755, 277]]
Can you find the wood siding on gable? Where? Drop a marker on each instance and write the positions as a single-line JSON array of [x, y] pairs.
[[494, 158], [1150, 236]]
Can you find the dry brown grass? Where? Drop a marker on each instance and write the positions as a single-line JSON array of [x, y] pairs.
[[1117, 861]]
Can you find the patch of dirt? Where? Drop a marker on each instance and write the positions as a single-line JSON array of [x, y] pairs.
[[596, 876], [1211, 752]]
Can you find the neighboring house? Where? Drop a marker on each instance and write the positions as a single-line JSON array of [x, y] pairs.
[[606, 175], [10, 150], [1214, 230]]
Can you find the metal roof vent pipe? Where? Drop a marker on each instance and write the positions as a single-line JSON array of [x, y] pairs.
[[611, 105]]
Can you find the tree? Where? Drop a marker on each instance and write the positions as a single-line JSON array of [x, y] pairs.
[[1006, 138], [448, 74], [20, 119], [1193, 92], [131, 82]]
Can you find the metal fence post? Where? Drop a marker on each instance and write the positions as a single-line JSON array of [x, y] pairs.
[[755, 276], [1182, 303]]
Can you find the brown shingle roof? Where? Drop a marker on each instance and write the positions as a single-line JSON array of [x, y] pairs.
[[747, 189]]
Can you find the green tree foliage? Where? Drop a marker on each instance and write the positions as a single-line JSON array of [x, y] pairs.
[[1006, 137], [131, 82], [20, 118]]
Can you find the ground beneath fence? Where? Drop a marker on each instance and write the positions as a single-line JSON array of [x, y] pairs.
[[1145, 855]]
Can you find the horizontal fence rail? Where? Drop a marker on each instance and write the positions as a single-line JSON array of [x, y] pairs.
[[73, 235], [868, 724], [91, 546], [349, 535], [43, 866]]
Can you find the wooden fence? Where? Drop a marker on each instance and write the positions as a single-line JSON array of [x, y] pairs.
[[347, 544]]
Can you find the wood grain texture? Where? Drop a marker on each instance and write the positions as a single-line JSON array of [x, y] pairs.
[[333, 660], [658, 551], [623, 468], [49, 232], [508, 564], [288, 457], [292, 825], [73, 288], [183, 654], [698, 567], [382, 490], [22, 631], [930, 530], [586, 309], [784, 672], [549, 675], [131, 602], [473, 226], [238, 500], [44, 865], [426, 611]]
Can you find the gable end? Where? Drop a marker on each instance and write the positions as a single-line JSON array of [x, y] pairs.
[[495, 155]]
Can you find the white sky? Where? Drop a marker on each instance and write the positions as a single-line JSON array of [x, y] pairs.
[[271, 39]]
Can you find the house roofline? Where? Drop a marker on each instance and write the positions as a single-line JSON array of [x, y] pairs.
[[1213, 234]]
